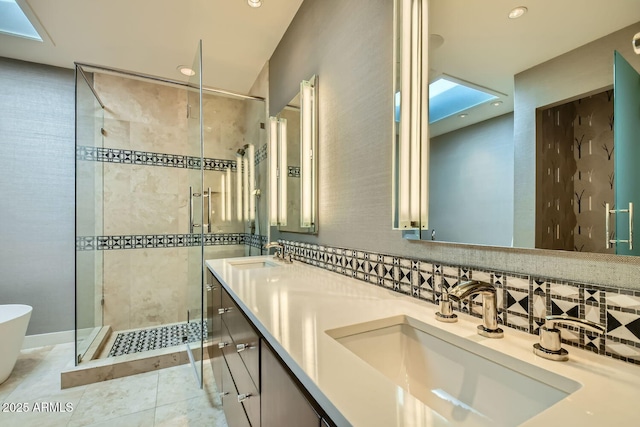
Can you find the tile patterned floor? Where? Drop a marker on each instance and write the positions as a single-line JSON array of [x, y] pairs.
[[168, 397], [155, 338]]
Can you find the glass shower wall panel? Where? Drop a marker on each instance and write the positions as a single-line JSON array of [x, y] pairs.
[[89, 215], [199, 222]]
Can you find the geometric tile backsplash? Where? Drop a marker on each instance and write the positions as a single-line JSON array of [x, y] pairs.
[[523, 300]]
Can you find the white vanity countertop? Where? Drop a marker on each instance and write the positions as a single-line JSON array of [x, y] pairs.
[[294, 304]]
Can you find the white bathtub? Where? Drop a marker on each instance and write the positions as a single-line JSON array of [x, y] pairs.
[[14, 319]]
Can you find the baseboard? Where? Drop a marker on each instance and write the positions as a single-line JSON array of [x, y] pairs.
[[53, 338]]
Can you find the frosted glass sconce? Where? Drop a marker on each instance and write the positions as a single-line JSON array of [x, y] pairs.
[[410, 118], [308, 150], [251, 187], [277, 171]]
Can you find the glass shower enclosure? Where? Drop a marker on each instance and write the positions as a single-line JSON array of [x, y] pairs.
[[169, 174]]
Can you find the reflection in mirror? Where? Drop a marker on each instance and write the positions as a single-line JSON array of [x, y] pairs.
[[295, 128], [531, 164]]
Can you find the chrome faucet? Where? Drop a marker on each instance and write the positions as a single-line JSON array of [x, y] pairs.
[[279, 248], [550, 345], [281, 253], [489, 327]]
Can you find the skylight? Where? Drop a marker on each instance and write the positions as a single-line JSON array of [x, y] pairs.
[[448, 96], [14, 22]]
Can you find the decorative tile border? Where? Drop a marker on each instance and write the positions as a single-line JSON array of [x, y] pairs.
[[255, 240], [294, 171], [261, 154], [117, 155], [523, 300], [154, 241], [131, 157]]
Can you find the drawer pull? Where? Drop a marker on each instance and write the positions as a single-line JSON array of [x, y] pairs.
[[243, 347], [222, 344], [210, 288], [223, 310], [243, 397]]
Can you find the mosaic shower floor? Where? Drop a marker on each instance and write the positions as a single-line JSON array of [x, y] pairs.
[[156, 338]]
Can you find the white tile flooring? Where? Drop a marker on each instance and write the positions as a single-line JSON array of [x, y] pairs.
[[168, 397]]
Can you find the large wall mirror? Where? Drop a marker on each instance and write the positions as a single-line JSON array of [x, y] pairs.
[[521, 122], [297, 123]]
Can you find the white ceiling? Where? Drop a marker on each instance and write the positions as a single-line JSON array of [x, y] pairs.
[[482, 46], [155, 36]]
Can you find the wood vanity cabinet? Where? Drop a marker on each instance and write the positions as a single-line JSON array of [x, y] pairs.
[[258, 390], [282, 400]]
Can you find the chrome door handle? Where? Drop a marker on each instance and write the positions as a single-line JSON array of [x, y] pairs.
[[209, 210], [243, 347], [222, 344], [608, 212], [190, 209], [243, 397]]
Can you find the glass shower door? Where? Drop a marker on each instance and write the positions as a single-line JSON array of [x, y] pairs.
[[197, 225], [626, 131]]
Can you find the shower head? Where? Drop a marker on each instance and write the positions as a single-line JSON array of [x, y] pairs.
[[240, 152]]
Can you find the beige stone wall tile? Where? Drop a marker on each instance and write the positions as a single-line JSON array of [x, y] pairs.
[[117, 133], [117, 283], [158, 138], [139, 101], [158, 286]]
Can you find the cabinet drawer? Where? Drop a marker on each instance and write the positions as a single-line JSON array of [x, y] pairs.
[[233, 410], [283, 403], [245, 339], [243, 382]]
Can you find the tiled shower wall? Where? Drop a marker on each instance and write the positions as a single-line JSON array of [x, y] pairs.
[[523, 300], [148, 165]]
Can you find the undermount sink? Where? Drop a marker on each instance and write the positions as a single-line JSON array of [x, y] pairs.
[[251, 264], [462, 382]]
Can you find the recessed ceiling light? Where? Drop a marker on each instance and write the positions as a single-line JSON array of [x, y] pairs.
[[254, 3], [517, 12], [186, 70], [496, 103], [463, 115]]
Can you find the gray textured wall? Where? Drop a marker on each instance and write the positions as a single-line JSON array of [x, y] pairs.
[[37, 192], [348, 43], [471, 183]]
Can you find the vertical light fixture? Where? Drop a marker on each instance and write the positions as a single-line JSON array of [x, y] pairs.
[[223, 198], [252, 182], [273, 170], [245, 187], [277, 171], [411, 137], [282, 171], [307, 152], [227, 192], [239, 164]]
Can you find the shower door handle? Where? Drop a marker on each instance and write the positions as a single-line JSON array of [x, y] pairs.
[[190, 209], [191, 196], [209, 209]]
